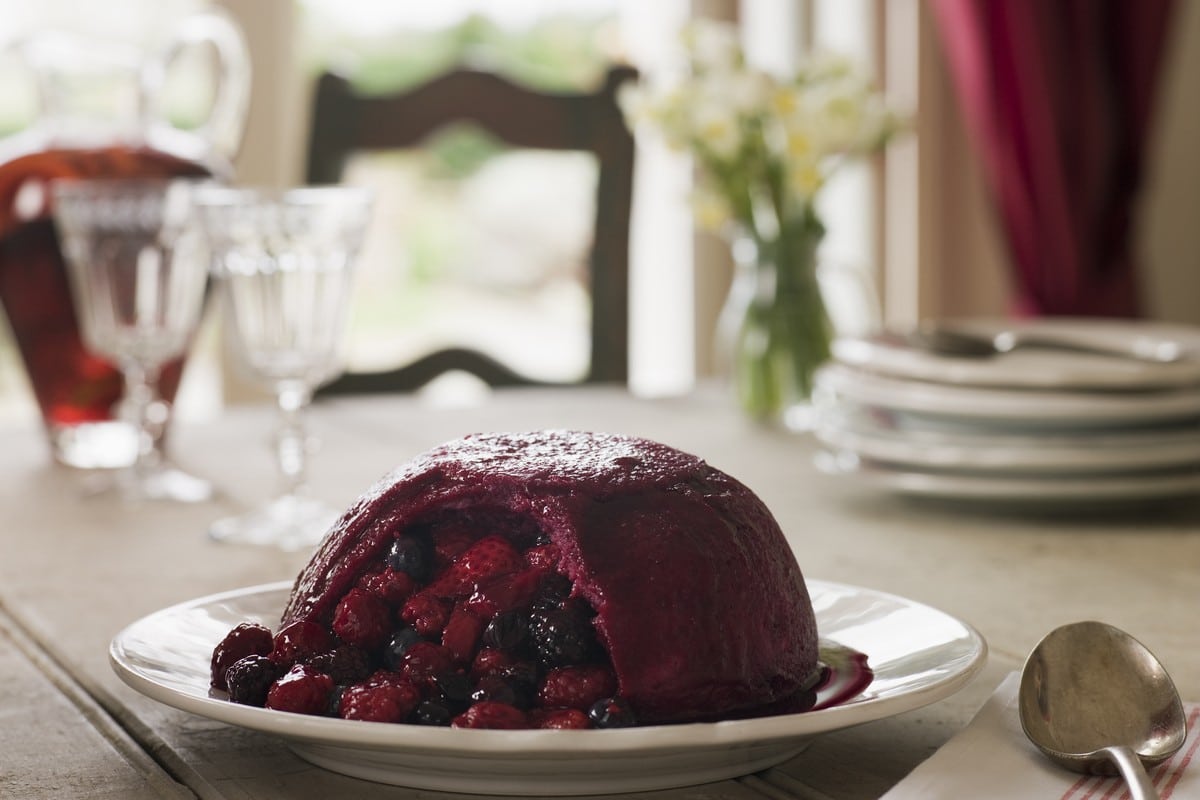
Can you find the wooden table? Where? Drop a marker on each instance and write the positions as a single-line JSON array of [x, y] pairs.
[[74, 570]]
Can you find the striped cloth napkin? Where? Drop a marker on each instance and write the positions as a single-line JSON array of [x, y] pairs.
[[991, 758]]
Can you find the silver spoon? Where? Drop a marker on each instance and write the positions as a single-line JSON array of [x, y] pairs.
[[1093, 698], [948, 341]]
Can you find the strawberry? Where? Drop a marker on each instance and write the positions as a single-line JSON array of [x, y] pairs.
[[560, 719], [507, 592], [449, 542], [490, 714], [486, 558], [462, 634], [424, 662], [490, 660], [576, 687]]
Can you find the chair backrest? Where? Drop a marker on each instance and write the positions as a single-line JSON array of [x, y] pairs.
[[345, 122]]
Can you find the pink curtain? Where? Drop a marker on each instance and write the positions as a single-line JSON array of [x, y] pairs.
[[1058, 97]]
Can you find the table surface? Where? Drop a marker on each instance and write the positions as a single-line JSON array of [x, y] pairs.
[[76, 569]]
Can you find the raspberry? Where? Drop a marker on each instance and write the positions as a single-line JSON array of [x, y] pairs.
[[427, 613], [490, 714], [302, 690], [450, 542], [489, 660], [424, 661], [300, 641], [346, 664], [560, 719], [362, 619], [389, 700], [394, 587], [247, 639], [576, 687], [462, 634], [484, 559], [249, 679], [563, 636]]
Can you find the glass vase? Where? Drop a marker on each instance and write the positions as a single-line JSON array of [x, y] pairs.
[[774, 329]]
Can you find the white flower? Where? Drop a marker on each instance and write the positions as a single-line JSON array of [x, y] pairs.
[[712, 46]]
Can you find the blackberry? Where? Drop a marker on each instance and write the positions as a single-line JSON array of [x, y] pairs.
[[249, 679], [612, 712], [345, 664], [508, 631], [412, 554], [553, 593], [500, 689], [454, 691], [563, 636]]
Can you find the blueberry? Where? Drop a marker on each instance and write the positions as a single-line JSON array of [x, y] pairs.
[[454, 689], [507, 631], [412, 554], [612, 712], [432, 712], [397, 646]]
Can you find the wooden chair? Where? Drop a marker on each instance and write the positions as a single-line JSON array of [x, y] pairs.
[[344, 123]]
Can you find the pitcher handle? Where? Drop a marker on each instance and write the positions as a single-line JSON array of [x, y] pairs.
[[226, 120]]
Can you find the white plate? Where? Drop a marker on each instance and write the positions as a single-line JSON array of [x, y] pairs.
[[881, 437], [1042, 368], [1005, 408], [1014, 490], [918, 655]]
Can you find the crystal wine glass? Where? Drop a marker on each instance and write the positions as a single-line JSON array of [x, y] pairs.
[[283, 260], [138, 274]]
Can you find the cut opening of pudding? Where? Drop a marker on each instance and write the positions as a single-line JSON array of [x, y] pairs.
[[550, 579]]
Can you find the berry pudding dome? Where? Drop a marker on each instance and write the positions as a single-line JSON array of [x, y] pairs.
[[555, 579]]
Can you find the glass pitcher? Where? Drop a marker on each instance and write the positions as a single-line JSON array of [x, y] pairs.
[[101, 114]]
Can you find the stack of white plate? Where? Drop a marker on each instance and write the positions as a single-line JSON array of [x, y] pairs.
[[1036, 424]]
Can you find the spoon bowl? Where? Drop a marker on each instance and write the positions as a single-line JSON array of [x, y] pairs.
[[1095, 700], [964, 343]]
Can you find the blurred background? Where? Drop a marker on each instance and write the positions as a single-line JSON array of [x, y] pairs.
[[915, 223]]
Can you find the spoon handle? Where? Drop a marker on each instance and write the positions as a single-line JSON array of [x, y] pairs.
[[1140, 787]]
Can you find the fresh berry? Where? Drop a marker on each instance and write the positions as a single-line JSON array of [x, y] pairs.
[[433, 712], [560, 719], [346, 664], [612, 712], [576, 687], [302, 690], [249, 678], [412, 554], [563, 636], [485, 559], [362, 619], [389, 700], [508, 631], [489, 660], [424, 661], [299, 641], [501, 689], [247, 639], [427, 612], [396, 646], [462, 634], [507, 592], [490, 714], [394, 587], [454, 690]]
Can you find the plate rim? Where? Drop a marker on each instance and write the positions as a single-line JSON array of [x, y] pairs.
[[540, 743]]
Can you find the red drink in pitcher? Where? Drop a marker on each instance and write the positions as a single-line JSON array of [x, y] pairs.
[[79, 137]]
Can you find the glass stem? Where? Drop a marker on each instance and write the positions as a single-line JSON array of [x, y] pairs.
[[148, 413], [291, 440]]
